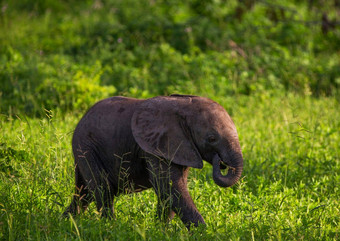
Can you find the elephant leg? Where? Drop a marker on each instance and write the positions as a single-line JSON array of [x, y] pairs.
[[182, 203], [159, 175], [82, 198], [104, 201], [170, 185]]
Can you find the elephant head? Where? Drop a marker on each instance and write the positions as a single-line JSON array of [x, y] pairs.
[[188, 129]]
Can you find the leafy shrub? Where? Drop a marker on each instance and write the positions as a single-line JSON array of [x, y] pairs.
[[90, 50], [52, 83]]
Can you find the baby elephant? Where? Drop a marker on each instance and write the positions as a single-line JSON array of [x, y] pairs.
[[125, 145]]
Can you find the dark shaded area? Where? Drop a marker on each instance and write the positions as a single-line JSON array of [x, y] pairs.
[[10, 157]]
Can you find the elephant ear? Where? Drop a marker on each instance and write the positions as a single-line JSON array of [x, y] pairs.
[[160, 130]]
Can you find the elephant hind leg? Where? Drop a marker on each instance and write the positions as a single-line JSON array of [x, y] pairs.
[[92, 183], [100, 185], [97, 190], [104, 201], [82, 197]]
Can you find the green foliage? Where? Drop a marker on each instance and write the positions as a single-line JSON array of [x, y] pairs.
[[58, 82], [8, 158], [161, 47], [271, 64]]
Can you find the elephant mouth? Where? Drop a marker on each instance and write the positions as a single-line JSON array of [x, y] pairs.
[[233, 174], [224, 165]]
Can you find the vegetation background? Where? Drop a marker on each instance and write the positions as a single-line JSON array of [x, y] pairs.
[[274, 66]]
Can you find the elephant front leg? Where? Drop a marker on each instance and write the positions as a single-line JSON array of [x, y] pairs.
[[159, 174], [182, 202], [186, 210], [170, 185]]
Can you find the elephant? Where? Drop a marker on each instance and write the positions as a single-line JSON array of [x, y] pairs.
[[124, 145]]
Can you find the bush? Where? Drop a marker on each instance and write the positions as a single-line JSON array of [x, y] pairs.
[[70, 55]]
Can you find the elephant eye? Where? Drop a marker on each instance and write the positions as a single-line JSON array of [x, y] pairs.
[[211, 139]]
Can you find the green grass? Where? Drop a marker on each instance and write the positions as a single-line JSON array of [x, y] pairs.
[[270, 66], [289, 190]]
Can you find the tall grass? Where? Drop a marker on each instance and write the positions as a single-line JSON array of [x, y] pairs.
[[270, 64], [289, 189]]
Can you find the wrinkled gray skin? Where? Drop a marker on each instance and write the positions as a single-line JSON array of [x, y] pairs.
[[124, 145]]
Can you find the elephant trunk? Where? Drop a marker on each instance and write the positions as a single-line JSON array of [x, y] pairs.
[[234, 172]]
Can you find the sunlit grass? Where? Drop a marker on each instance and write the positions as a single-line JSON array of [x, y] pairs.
[[273, 69], [289, 189]]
